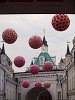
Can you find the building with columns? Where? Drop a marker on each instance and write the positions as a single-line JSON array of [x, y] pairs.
[[61, 78]]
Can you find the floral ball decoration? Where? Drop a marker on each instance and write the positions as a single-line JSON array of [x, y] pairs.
[[35, 42], [38, 84], [34, 69], [9, 36], [47, 66], [19, 61], [60, 22], [25, 83], [47, 84]]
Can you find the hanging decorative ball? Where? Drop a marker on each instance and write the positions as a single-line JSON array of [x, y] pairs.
[[19, 61], [25, 83], [9, 36], [47, 84], [35, 42], [60, 22], [38, 84], [34, 69], [47, 66]]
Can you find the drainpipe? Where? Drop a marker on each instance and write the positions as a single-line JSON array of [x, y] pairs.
[[61, 89], [16, 91], [4, 87], [16, 87], [67, 83]]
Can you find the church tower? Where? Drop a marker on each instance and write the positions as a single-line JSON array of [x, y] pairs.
[[73, 49], [6, 62], [44, 55], [44, 47], [68, 55]]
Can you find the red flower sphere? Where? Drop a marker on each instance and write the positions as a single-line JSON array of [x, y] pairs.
[[9, 36], [38, 84], [35, 42], [46, 84], [19, 61], [60, 22], [25, 83], [47, 66], [34, 69]]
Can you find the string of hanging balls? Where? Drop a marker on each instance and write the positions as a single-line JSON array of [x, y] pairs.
[[60, 22], [37, 84]]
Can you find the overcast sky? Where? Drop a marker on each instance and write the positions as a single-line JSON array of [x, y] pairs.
[[27, 25]]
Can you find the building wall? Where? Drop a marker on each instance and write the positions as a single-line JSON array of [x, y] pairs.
[[7, 85], [1, 83], [1, 80], [71, 82], [41, 76], [17, 92], [70, 74], [64, 90], [10, 91], [71, 79]]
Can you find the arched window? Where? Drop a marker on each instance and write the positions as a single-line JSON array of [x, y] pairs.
[[41, 59]]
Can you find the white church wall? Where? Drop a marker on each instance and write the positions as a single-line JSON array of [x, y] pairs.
[[53, 91], [1, 80], [64, 90], [40, 77], [10, 92]]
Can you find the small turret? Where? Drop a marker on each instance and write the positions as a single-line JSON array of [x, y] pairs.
[[68, 51], [68, 55], [3, 49], [62, 64], [73, 42], [44, 41], [31, 63]]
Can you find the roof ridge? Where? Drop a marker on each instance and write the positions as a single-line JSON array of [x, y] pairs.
[[47, 58]]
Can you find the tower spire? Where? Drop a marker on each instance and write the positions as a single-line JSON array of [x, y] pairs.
[[44, 32], [44, 40], [44, 47], [61, 60], [32, 63], [68, 50], [3, 48]]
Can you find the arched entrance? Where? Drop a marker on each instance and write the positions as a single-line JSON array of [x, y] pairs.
[[38, 94]]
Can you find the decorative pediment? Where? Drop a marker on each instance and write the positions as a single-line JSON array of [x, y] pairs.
[[42, 60]]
